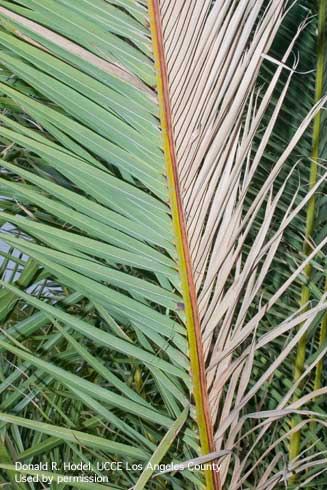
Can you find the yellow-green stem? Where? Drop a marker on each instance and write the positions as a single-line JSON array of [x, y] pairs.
[[295, 439], [189, 295], [322, 339], [320, 365]]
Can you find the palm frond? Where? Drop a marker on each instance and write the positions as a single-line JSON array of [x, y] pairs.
[[224, 128], [154, 188]]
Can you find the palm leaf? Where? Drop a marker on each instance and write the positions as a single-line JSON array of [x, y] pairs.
[[150, 186]]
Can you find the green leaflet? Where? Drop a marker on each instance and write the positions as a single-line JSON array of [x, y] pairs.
[[91, 35], [135, 96], [102, 120], [101, 343], [60, 125], [103, 338], [100, 273], [109, 17], [161, 450], [75, 436], [102, 186], [100, 216], [90, 388]]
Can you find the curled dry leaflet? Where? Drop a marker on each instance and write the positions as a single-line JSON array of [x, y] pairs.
[[163, 244]]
